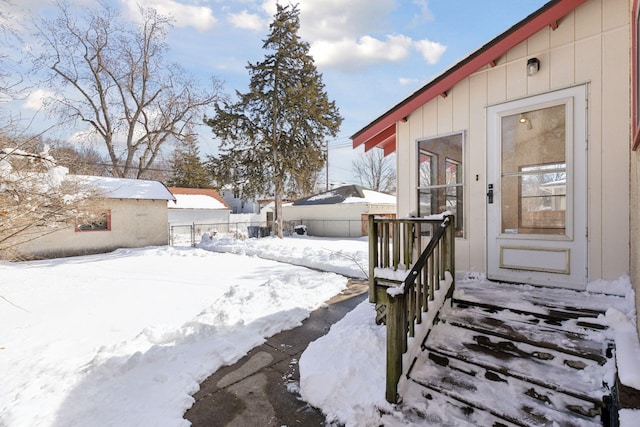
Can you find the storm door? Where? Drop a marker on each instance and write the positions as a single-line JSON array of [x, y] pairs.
[[536, 191]]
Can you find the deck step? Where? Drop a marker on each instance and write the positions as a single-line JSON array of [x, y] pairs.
[[566, 336], [504, 397], [550, 303], [428, 407], [565, 373], [515, 355]]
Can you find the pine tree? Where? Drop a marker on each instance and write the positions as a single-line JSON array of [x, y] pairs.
[[187, 168], [272, 138]]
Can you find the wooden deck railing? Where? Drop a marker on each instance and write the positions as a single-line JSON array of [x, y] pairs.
[[403, 278]]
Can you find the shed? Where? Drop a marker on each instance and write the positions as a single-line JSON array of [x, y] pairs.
[[120, 213], [197, 206], [341, 212]]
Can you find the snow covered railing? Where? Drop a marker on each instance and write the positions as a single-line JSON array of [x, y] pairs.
[[404, 283]]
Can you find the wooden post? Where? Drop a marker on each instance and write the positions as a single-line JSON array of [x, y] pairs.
[[373, 257], [395, 330]]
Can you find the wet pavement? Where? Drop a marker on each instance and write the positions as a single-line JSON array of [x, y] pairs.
[[261, 389]]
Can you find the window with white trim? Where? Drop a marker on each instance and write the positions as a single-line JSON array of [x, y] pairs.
[[440, 177]]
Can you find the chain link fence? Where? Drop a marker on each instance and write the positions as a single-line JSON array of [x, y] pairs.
[[191, 234]]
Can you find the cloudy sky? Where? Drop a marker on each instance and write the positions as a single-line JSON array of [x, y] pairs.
[[372, 53]]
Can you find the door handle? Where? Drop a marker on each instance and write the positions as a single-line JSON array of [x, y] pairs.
[[490, 194]]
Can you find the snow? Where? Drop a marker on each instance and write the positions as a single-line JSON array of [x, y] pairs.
[[124, 188], [627, 347], [124, 339], [355, 385], [372, 197], [195, 201]]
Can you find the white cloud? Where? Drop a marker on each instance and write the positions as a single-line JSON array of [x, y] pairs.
[[334, 20], [248, 21], [406, 81], [199, 17], [36, 99], [351, 54], [354, 37], [431, 51]]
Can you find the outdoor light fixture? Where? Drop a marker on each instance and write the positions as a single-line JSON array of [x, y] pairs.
[[533, 65]]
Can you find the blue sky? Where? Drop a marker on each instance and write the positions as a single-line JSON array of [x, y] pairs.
[[372, 53]]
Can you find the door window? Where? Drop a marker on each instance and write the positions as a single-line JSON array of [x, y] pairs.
[[533, 179]]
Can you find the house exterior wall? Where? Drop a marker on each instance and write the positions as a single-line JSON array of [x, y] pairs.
[[134, 223], [337, 220], [239, 205], [634, 228], [590, 46]]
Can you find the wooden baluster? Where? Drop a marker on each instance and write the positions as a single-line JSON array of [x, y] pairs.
[[395, 238], [373, 257]]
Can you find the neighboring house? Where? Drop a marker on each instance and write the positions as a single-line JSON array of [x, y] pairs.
[[341, 212], [197, 206], [239, 204], [528, 141], [120, 213]]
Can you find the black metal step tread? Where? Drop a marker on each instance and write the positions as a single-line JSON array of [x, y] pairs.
[[567, 336], [548, 368], [545, 301], [503, 396]]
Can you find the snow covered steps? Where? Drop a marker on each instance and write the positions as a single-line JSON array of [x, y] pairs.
[[517, 355]]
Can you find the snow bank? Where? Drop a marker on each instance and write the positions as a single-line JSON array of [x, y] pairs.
[[124, 339], [349, 257], [347, 385]]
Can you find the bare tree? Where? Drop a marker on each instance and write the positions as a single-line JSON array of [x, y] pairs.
[[375, 171], [35, 198], [112, 76]]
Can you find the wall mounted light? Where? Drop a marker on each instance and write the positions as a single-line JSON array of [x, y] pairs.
[[533, 65]]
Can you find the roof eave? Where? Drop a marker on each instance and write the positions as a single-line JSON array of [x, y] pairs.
[[549, 14]]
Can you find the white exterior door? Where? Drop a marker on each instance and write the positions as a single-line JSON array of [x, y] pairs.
[[537, 190]]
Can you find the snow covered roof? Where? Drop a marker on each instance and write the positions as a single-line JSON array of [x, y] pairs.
[[123, 188], [197, 198], [347, 194]]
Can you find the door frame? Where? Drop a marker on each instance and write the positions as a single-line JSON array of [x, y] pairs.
[[542, 259]]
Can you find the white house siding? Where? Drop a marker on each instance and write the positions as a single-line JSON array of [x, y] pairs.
[[134, 223], [635, 225], [590, 46]]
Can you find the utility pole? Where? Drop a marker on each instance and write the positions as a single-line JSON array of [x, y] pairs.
[[327, 165]]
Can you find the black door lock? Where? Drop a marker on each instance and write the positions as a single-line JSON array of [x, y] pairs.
[[490, 193]]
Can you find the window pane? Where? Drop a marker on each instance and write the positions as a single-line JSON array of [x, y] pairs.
[[440, 177], [92, 221], [533, 184]]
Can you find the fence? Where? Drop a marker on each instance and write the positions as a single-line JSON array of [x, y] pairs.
[[191, 234]]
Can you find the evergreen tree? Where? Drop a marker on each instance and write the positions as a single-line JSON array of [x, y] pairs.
[[187, 169], [272, 138]]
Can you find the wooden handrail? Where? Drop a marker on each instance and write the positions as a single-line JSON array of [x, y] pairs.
[[408, 298]]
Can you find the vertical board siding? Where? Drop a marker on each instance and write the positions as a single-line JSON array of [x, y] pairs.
[[590, 46]]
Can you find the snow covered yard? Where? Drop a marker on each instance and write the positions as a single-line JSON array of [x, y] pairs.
[[123, 339]]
